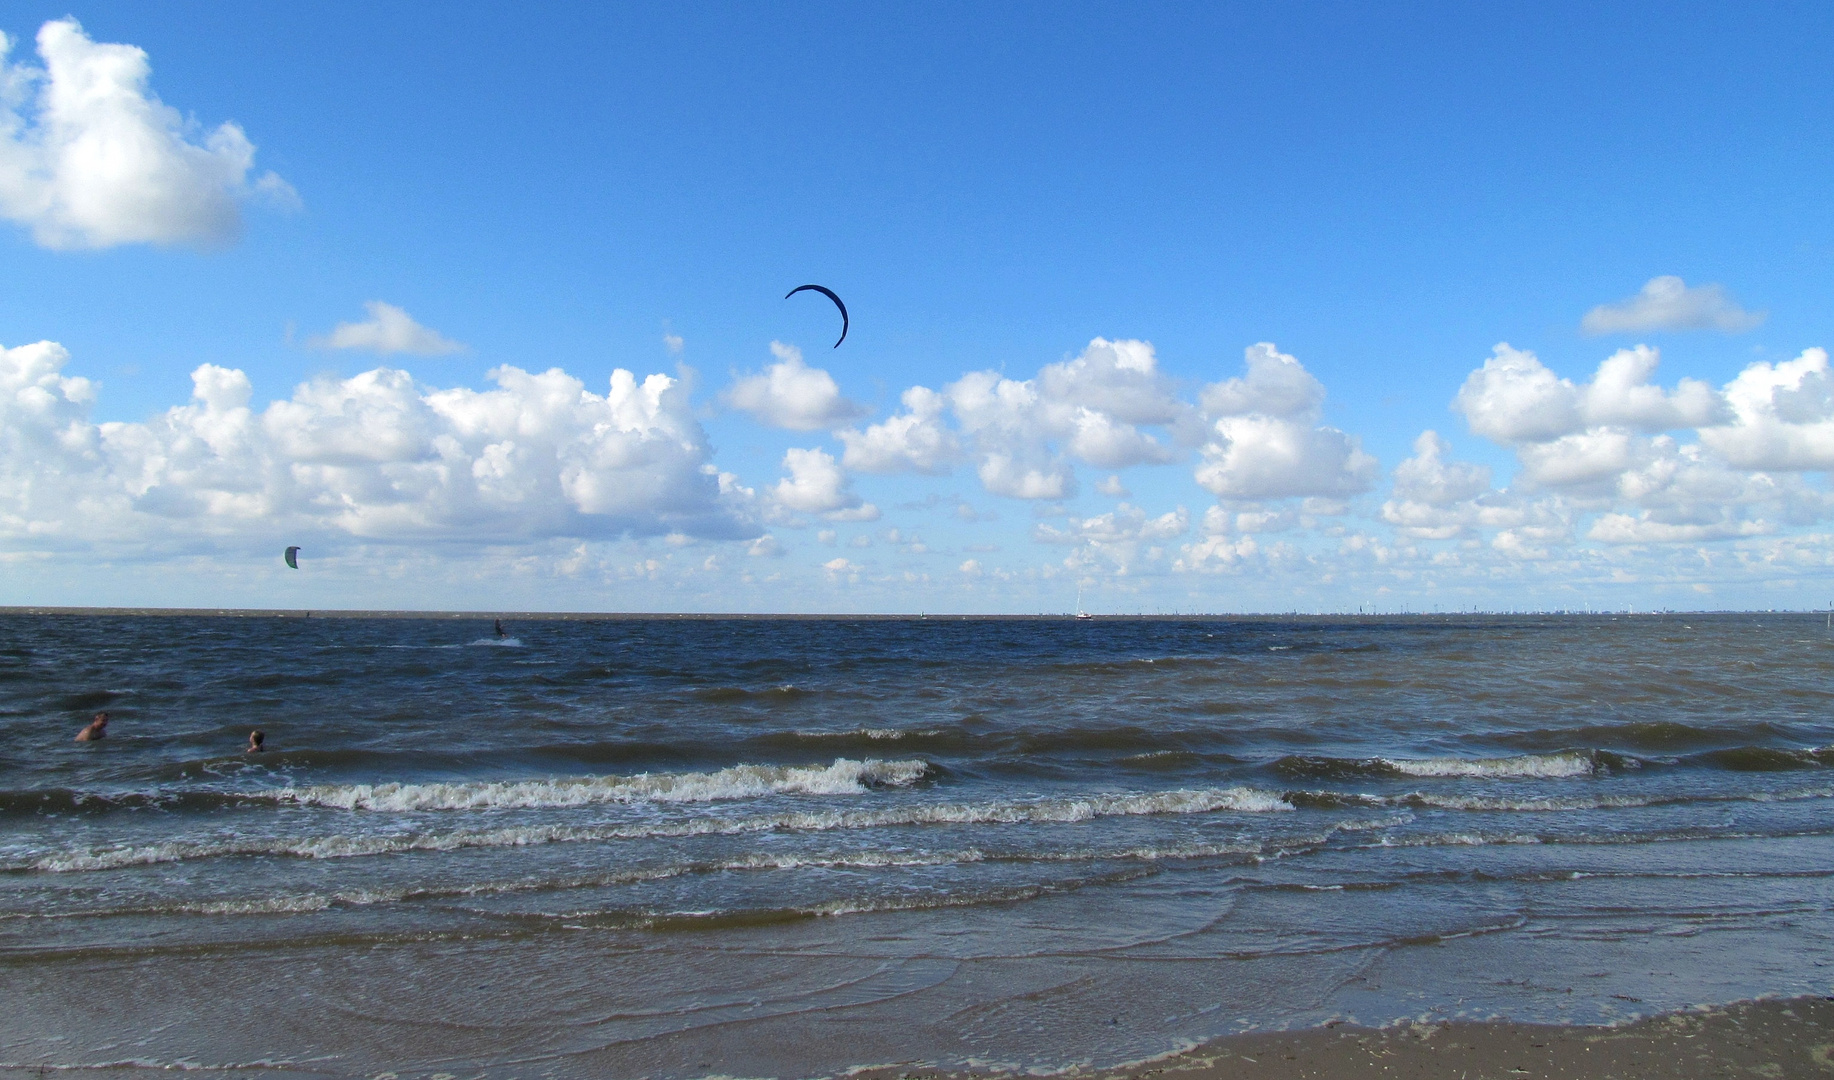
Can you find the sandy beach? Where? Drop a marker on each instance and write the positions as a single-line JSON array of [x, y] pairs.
[[1775, 1038]]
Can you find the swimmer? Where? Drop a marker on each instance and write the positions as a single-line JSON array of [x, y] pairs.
[[96, 731], [256, 739], [500, 632]]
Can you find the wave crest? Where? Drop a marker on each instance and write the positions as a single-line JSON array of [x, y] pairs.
[[1569, 763], [845, 776]]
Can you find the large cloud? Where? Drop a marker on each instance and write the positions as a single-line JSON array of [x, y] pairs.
[[1602, 449], [1782, 416], [916, 440], [1265, 439], [1514, 398], [816, 484], [377, 456], [1026, 435], [1121, 538], [790, 394], [90, 158], [1667, 303]]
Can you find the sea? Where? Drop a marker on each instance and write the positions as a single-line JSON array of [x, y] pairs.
[[680, 847]]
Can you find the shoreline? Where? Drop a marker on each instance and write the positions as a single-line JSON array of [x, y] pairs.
[[1769, 1037], [1779, 1038]]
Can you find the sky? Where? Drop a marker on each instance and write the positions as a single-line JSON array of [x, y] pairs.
[[1154, 308]]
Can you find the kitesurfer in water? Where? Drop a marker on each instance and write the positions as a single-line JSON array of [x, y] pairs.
[[96, 731], [500, 632], [256, 740]]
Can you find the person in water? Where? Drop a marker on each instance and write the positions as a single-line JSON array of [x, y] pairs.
[[96, 731], [500, 632], [257, 740]]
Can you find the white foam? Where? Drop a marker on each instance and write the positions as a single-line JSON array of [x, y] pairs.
[[844, 777], [1038, 811], [1538, 766], [863, 732]]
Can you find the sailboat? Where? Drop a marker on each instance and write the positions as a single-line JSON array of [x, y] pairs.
[[1080, 613]]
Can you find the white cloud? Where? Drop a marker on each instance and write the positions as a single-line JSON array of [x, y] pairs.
[[1435, 499], [1666, 303], [1113, 488], [673, 343], [1266, 442], [90, 158], [1429, 478], [916, 440], [1025, 435], [1122, 540], [376, 456], [1088, 408], [790, 394], [1514, 398], [1782, 416], [816, 484], [1125, 524], [388, 330], [1003, 474], [1215, 550]]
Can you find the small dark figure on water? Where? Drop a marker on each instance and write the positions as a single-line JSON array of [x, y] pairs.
[[500, 632], [257, 740], [96, 731]]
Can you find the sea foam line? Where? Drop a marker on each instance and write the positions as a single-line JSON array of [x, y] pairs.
[[844, 777], [1537, 766], [865, 860], [1042, 811]]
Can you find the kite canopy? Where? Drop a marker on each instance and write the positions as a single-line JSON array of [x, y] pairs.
[[829, 293], [293, 557]]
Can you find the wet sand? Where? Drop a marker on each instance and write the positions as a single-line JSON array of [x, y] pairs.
[[1783, 1039], [1779, 1039]]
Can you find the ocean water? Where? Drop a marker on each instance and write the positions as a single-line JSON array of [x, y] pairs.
[[782, 847]]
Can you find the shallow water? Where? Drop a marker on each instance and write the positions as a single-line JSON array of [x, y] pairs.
[[780, 847]]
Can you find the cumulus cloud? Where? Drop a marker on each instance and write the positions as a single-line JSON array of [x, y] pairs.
[[1782, 416], [1090, 409], [1121, 538], [1514, 398], [377, 456], [790, 394], [916, 440], [1265, 441], [1666, 303], [1436, 498], [817, 484], [1602, 448], [1025, 436], [388, 330], [91, 158]]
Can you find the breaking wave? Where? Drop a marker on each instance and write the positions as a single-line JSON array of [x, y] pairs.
[[845, 776], [1040, 811], [1562, 765]]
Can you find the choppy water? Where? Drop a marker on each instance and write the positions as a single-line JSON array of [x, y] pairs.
[[780, 847]]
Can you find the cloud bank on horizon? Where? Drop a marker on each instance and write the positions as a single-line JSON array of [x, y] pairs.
[[1618, 475], [1229, 491]]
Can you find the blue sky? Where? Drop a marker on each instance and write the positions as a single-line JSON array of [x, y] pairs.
[[1382, 197]]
